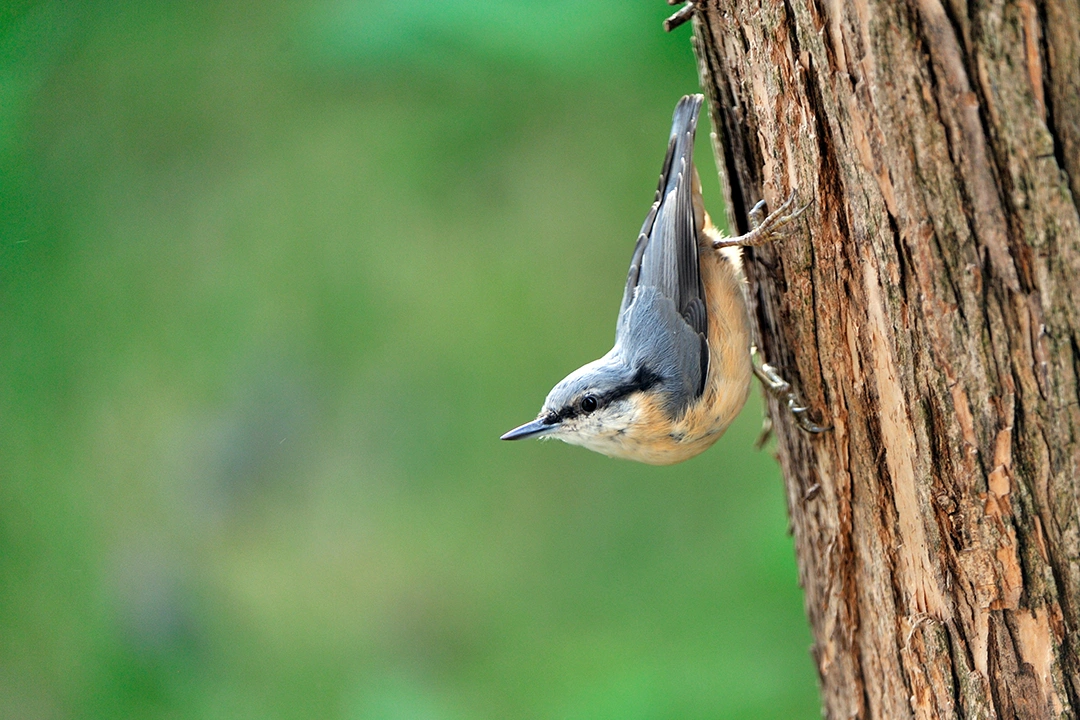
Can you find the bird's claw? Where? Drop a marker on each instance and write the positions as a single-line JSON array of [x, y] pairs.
[[781, 389], [756, 216], [765, 228], [802, 417]]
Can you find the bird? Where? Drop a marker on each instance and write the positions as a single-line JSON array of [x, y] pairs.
[[680, 369]]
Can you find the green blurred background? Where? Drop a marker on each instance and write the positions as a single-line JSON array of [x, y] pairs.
[[275, 276]]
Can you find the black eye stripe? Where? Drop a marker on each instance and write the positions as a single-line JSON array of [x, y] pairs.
[[643, 379]]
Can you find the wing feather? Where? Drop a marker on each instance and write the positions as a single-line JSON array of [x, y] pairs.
[[666, 258]]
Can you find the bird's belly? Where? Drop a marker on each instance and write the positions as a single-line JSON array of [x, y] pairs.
[[654, 439]]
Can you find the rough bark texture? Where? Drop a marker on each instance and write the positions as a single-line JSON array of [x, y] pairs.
[[929, 309]]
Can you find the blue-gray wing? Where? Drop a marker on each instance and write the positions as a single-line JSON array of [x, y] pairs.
[[666, 258]]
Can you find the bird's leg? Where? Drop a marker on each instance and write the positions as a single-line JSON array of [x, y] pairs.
[[681, 15], [781, 389], [764, 229]]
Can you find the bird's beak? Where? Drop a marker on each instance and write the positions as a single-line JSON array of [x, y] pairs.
[[535, 428]]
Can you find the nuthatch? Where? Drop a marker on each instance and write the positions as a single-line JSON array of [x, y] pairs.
[[680, 369]]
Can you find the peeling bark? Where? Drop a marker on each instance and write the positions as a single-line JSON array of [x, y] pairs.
[[931, 313]]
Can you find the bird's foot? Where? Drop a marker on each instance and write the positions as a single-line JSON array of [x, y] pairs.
[[765, 228], [781, 389]]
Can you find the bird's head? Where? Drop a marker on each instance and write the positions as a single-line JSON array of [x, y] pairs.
[[597, 406]]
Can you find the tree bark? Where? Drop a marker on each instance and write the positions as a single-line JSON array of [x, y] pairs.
[[928, 308]]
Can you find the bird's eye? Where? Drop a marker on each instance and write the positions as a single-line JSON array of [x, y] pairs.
[[589, 403]]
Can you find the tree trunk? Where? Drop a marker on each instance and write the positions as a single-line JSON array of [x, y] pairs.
[[928, 308]]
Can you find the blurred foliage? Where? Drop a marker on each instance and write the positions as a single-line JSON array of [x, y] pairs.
[[274, 278]]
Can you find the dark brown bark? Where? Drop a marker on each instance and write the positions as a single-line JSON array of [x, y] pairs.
[[929, 311]]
